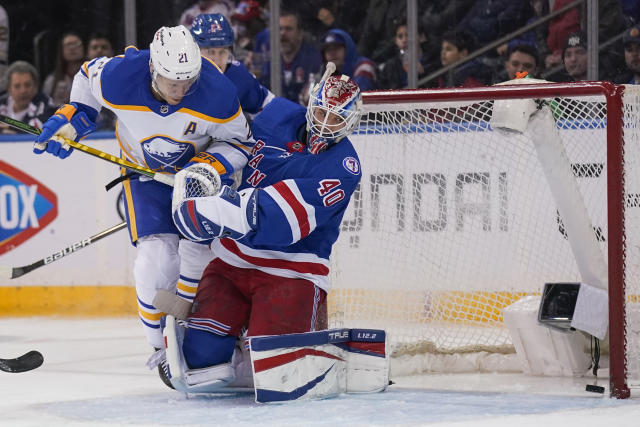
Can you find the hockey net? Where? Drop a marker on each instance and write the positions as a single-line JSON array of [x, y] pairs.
[[455, 220]]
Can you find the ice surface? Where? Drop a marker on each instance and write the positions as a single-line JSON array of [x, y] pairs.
[[94, 375]]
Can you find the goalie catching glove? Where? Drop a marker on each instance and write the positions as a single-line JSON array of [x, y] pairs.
[[68, 122], [204, 209]]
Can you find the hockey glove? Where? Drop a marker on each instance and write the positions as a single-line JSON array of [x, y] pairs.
[[67, 122], [231, 214], [197, 180], [222, 169]]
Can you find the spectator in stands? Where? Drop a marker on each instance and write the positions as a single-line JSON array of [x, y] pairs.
[[99, 45], [70, 57], [247, 21], [4, 48], [631, 41], [393, 73], [488, 20], [299, 59], [631, 8], [559, 30], [224, 7], [521, 57], [456, 45], [537, 37], [540, 8], [438, 17], [24, 101], [260, 53], [611, 22], [326, 17], [574, 56], [330, 14], [338, 47], [381, 19]]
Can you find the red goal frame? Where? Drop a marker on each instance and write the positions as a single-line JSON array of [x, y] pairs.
[[615, 184]]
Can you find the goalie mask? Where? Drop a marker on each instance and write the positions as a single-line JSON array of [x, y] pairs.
[[333, 111], [175, 63]]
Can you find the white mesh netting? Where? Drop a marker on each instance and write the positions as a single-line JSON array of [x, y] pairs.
[[453, 221]]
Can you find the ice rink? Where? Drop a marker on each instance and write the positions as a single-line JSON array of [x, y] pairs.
[[94, 375]]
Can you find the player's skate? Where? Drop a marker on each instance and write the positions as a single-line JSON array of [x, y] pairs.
[[159, 360], [163, 370], [203, 380]]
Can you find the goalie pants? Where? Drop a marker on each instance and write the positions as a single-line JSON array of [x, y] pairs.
[[230, 299]]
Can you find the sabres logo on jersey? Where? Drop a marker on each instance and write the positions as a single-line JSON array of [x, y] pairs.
[[162, 151]]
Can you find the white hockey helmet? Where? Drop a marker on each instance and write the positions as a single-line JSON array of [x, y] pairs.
[[334, 109], [174, 54]]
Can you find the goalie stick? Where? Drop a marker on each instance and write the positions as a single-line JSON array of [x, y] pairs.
[[163, 178], [13, 272], [26, 362]]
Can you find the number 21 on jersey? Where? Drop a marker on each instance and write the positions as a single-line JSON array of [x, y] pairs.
[[330, 192]]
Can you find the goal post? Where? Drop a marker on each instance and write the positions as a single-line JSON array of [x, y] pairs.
[[454, 220]]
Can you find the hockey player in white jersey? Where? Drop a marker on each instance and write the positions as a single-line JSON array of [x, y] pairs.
[[174, 109]]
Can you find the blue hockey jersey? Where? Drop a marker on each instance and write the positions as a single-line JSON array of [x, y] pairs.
[[302, 198], [253, 96]]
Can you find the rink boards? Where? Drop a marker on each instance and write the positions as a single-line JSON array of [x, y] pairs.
[[95, 280], [100, 277]]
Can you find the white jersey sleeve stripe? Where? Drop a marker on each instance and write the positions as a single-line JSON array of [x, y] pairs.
[[284, 264], [299, 214], [287, 210], [309, 210]]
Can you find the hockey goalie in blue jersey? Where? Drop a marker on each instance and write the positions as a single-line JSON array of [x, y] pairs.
[[272, 241], [174, 108], [215, 37]]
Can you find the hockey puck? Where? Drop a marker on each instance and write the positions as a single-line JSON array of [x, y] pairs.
[[595, 388]]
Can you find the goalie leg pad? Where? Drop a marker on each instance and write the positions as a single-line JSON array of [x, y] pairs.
[[367, 361], [204, 380], [319, 365], [202, 349]]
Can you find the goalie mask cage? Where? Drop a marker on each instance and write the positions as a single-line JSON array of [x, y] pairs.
[[456, 218]]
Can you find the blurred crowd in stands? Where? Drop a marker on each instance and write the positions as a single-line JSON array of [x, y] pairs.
[[366, 39]]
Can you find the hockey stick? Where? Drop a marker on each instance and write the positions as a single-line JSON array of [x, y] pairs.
[[163, 178], [26, 362], [13, 272]]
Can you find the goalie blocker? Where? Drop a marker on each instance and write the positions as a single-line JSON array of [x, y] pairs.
[[312, 365]]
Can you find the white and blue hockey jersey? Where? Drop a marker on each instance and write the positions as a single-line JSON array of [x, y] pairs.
[[302, 199], [160, 136]]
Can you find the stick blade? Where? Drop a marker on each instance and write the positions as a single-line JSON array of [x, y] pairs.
[[24, 363], [6, 272]]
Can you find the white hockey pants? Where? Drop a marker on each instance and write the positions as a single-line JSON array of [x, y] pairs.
[[164, 261]]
